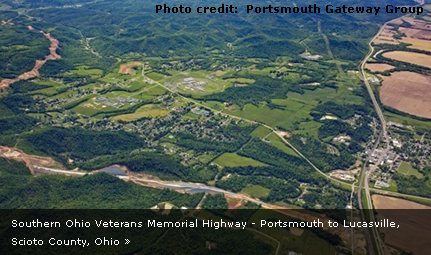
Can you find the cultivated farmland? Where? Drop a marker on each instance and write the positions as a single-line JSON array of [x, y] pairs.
[[410, 57], [413, 233], [379, 67], [408, 92]]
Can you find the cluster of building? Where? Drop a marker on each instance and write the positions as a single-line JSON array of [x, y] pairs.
[[384, 164], [308, 56], [374, 80], [200, 111], [191, 83], [148, 80], [342, 139]]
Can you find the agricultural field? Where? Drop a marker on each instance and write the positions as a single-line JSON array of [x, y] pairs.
[[378, 67], [405, 86], [261, 132], [149, 110], [409, 57], [235, 160], [293, 111], [278, 143], [417, 44], [408, 92], [413, 237]]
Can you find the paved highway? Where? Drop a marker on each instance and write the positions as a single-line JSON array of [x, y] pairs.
[[364, 173]]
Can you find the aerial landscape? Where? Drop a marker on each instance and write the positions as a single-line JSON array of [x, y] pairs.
[[108, 104]]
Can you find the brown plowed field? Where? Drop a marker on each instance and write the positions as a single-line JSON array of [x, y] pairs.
[[410, 57], [379, 67], [408, 92], [416, 33], [414, 232]]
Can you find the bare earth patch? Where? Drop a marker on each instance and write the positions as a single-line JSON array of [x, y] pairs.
[[414, 231], [408, 92], [31, 161], [410, 57], [127, 68], [283, 134], [379, 67]]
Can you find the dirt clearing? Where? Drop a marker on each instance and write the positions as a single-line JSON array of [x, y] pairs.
[[408, 92], [127, 68], [409, 57], [30, 160], [414, 231], [379, 67]]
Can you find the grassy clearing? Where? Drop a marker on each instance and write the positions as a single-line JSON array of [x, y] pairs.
[[191, 116], [241, 80], [155, 76], [261, 132], [407, 169], [277, 142], [149, 110], [405, 120], [88, 72], [295, 111], [308, 128], [204, 158], [234, 160], [54, 88], [256, 191], [214, 105]]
